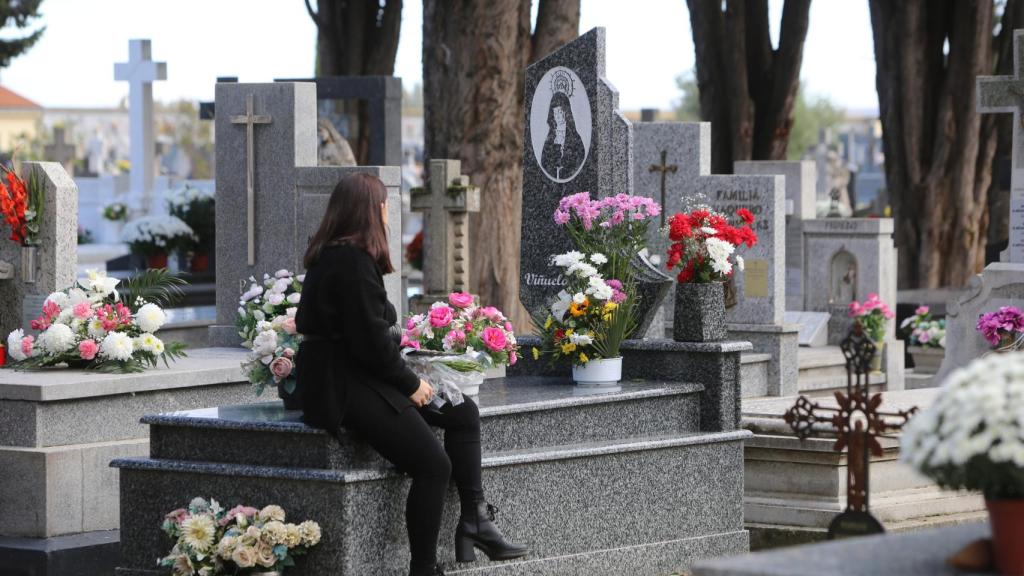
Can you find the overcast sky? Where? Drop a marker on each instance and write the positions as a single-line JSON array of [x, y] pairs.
[[649, 45]]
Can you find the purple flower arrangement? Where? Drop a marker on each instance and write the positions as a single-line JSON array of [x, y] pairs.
[[1003, 327]]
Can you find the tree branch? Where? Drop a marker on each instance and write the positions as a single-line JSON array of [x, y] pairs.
[[313, 14]]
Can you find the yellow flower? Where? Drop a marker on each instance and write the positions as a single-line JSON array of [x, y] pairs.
[[536, 354], [568, 348], [610, 306], [583, 358], [548, 322], [578, 310]]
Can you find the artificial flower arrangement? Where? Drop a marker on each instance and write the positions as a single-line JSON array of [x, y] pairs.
[[266, 323], [115, 212], [704, 244], [923, 330], [414, 251], [196, 208], [872, 315], [1003, 329], [212, 541], [455, 342], [591, 317], [156, 235], [93, 326], [22, 204]]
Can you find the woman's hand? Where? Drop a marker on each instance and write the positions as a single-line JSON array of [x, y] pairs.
[[423, 394]]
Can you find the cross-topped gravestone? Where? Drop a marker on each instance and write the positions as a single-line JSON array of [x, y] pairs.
[[576, 140], [267, 171], [446, 202], [53, 262], [1006, 94], [664, 169], [140, 71], [60, 151]]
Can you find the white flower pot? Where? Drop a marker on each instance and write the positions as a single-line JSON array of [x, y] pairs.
[[601, 373], [471, 387]]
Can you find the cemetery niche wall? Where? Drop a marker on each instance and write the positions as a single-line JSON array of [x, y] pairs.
[[675, 421]]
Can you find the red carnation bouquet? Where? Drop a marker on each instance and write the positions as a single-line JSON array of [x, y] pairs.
[[704, 244], [21, 205]]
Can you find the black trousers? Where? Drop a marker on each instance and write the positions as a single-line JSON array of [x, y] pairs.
[[406, 440]]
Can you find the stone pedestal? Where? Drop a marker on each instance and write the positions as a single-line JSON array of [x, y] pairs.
[[59, 430], [552, 461]]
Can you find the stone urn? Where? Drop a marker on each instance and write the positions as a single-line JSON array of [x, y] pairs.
[[699, 312], [1007, 519], [927, 360]]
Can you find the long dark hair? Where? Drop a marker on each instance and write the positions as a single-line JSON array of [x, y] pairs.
[[354, 215]]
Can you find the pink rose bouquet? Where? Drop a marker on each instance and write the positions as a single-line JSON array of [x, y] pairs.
[[266, 322], [460, 326], [100, 324], [872, 315]]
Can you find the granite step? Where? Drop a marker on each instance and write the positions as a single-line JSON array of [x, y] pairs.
[[822, 371], [529, 415]]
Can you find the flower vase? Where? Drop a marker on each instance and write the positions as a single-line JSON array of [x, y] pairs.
[[876, 360], [28, 264], [927, 360], [1007, 519], [699, 312], [157, 260], [3, 355], [600, 374], [200, 262], [471, 384]]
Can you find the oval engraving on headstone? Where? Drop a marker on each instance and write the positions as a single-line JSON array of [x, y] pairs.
[[560, 124]]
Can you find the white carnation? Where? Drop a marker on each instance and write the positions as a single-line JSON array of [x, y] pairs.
[[150, 318], [117, 346], [57, 339], [14, 345]]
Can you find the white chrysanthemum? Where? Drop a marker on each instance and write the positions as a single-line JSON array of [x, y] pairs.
[[14, 345], [581, 339], [98, 282], [719, 249], [57, 339], [77, 296], [265, 343], [599, 289], [581, 269], [199, 532], [95, 329], [579, 297], [150, 318], [60, 299], [149, 343], [117, 346], [741, 263], [568, 259], [599, 259]]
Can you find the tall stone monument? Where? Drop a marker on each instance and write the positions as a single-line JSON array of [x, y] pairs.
[[140, 71]]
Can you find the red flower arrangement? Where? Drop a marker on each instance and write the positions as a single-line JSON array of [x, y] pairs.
[[703, 242], [21, 205], [414, 251]]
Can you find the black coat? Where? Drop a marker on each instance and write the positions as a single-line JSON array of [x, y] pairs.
[[350, 351]]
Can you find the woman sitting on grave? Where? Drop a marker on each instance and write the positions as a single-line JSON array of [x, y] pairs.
[[352, 376]]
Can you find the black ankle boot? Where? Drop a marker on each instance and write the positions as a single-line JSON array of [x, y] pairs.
[[477, 530], [435, 570]]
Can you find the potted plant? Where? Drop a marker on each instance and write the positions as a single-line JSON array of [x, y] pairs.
[[115, 212], [212, 541], [456, 342], [22, 204], [927, 339], [872, 316], [971, 438], [703, 249], [155, 237], [588, 322], [266, 323], [196, 208], [1003, 329]]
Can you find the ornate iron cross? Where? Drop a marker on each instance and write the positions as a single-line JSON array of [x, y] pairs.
[[665, 169], [857, 425], [250, 119]]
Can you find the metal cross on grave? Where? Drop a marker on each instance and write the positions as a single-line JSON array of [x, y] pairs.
[[446, 202], [250, 120], [857, 424], [60, 151], [665, 169], [1006, 94]]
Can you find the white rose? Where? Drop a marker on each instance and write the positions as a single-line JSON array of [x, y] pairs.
[[265, 343], [150, 318], [117, 346], [294, 298], [275, 299], [58, 339], [282, 273]]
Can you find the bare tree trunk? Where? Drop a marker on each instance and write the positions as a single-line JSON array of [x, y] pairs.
[[357, 38], [938, 148], [474, 60], [747, 88]]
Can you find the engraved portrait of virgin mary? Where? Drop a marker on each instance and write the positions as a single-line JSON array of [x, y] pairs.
[[560, 124]]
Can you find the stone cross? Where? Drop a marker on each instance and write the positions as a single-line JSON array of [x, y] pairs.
[[664, 168], [140, 72], [857, 424], [60, 151], [446, 203], [53, 261], [250, 120], [1006, 94], [274, 169]]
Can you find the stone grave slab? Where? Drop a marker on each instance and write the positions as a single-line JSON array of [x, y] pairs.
[[813, 327]]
